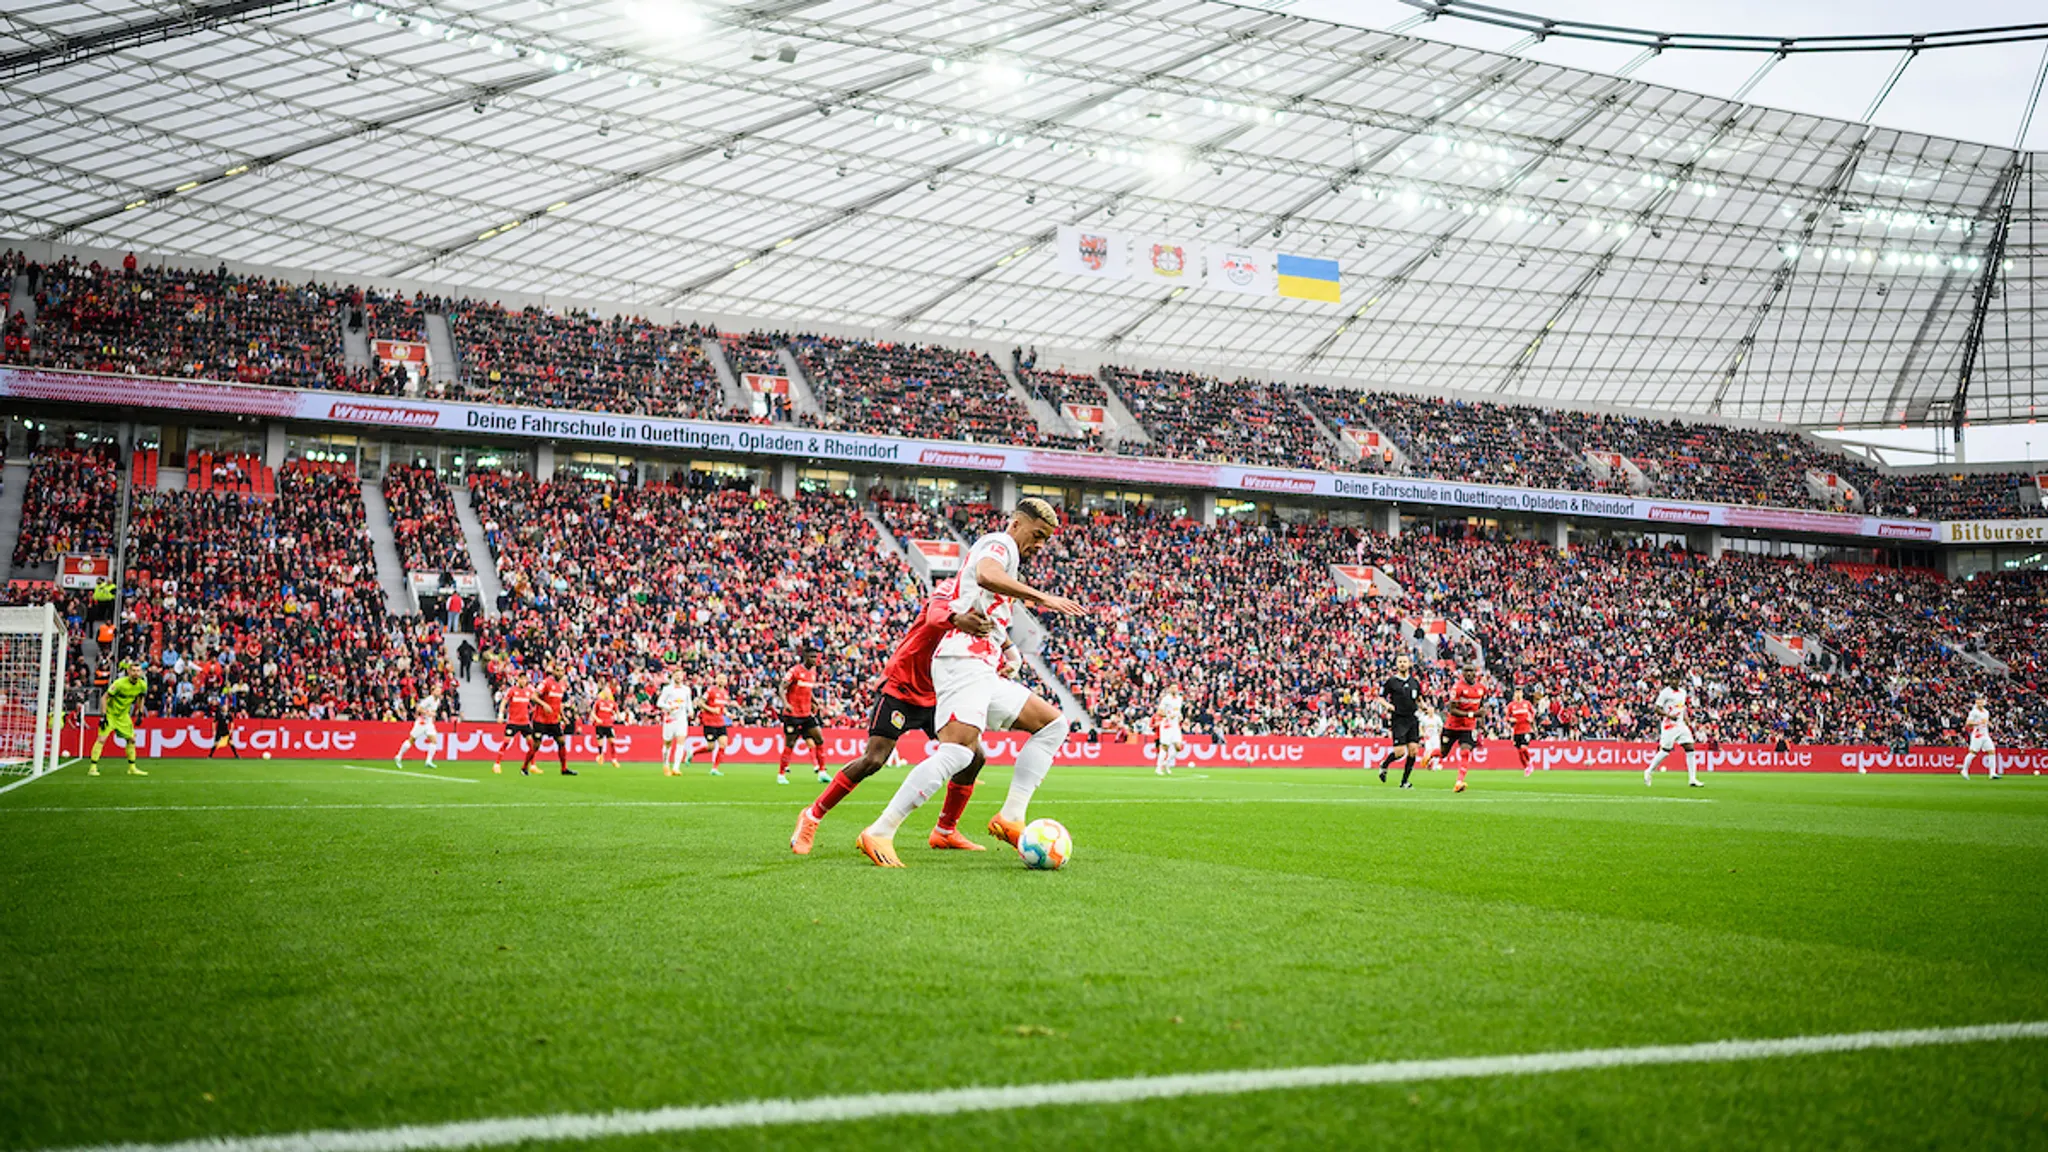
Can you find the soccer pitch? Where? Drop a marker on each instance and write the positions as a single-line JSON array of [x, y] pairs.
[[245, 949]]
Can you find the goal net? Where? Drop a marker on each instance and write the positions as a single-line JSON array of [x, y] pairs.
[[33, 645]]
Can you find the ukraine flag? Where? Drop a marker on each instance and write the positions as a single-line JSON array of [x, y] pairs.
[[1306, 279]]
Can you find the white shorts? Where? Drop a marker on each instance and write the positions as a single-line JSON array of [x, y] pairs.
[[1982, 744], [1674, 734], [1170, 736], [672, 730], [424, 736], [1432, 745], [975, 693]]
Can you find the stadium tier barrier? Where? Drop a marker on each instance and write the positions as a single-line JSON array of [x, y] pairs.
[[379, 740]]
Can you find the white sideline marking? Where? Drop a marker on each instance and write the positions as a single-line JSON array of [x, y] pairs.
[[953, 1101], [414, 775], [52, 772]]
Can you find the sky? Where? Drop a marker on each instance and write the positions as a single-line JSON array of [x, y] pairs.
[[1974, 94]]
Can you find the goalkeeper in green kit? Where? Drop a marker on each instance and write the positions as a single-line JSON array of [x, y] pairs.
[[118, 715]]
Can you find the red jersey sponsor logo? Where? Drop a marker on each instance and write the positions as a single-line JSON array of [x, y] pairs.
[[1521, 716], [518, 702], [604, 711], [1278, 483], [714, 706], [383, 414], [1680, 515]]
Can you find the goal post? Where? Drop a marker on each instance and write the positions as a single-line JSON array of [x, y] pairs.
[[33, 647]]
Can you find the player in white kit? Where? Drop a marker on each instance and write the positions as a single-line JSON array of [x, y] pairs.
[[973, 695], [674, 705], [1674, 731], [423, 735], [1166, 731], [1979, 725], [1430, 725]]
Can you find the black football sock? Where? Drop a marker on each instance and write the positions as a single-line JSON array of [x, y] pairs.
[[1407, 766], [1389, 760]]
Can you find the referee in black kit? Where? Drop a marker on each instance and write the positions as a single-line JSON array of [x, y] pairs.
[[1400, 696]]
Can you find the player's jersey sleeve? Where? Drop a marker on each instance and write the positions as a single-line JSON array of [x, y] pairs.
[[997, 546]]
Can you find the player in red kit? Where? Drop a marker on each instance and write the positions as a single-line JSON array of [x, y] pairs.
[[711, 706], [1522, 721], [547, 721], [515, 711], [799, 715], [1461, 722], [904, 704], [604, 713]]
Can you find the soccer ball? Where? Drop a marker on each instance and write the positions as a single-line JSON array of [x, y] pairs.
[[1045, 844], [266, 755]]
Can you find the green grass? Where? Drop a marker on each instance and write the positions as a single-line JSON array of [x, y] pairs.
[[240, 948]]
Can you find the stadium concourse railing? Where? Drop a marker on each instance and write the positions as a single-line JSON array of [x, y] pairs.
[[361, 413], [344, 740]]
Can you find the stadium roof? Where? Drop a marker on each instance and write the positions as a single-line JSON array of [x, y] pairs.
[[1503, 225]]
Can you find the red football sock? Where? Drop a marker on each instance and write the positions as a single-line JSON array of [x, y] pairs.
[[1523, 755], [718, 755], [833, 794], [784, 766], [818, 756], [1461, 772], [530, 750], [955, 805]]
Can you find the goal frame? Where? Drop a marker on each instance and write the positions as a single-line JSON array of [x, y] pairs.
[[53, 646]]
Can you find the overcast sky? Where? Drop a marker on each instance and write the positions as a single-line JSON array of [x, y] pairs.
[[1971, 93]]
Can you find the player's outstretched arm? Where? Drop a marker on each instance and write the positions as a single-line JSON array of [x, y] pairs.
[[990, 575]]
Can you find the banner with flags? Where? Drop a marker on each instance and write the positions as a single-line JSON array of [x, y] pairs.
[[1094, 252], [1248, 271]]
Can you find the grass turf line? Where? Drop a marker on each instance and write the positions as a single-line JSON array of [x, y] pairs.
[[198, 972]]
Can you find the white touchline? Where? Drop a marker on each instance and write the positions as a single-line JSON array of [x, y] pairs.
[[38, 776], [953, 1101], [414, 775]]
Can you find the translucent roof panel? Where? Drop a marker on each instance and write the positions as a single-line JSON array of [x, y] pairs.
[[1502, 225]]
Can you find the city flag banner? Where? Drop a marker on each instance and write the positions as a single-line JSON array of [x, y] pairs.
[[1304, 278], [1088, 417], [83, 569], [399, 351], [1093, 252], [1247, 271], [1173, 261], [763, 384]]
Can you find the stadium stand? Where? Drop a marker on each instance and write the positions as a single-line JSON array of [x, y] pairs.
[[186, 322], [618, 582], [1463, 439], [272, 601], [423, 521], [69, 503], [913, 389], [575, 360], [1202, 418]]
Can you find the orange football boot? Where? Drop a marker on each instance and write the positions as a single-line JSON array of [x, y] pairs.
[[881, 852], [951, 838], [806, 831], [1005, 830]]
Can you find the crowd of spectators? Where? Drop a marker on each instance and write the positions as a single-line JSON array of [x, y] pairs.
[[69, 502], [160, 321], [619, 582], [1247, 619], [272, 604], [1464, 439], [894, 389], [548, 359], [219, 325], [1202, 418], [423, 521], [1058, 389]]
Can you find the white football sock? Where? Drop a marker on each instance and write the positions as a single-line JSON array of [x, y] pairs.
[[1034, 760], [1656, 760], [928, 777], [1692, 774]]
